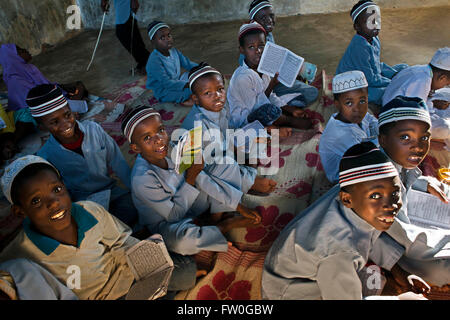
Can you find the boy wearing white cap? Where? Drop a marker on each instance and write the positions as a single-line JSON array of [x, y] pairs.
[[440, 119], [352, 123], [363, 52], [421, 80]]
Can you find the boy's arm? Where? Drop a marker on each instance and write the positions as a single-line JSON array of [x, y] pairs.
[[245, 98], [387, 71], [366, 62], [338, 279], [386, 252], [185, 62], [155, 67], [116, 160], [172, 208], [432, 186]]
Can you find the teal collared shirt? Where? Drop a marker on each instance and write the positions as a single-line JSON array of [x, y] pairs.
[[84, 220]]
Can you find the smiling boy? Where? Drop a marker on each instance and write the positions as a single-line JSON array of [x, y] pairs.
[[319, 253], [82, 151]]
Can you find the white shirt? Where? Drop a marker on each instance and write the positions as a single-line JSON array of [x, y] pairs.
[[414, 81]]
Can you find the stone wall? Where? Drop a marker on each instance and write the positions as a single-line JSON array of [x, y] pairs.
[[34, 23], [204, 11], [31, 23]]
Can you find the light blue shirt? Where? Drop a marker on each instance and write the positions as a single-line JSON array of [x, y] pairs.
[[164, 75], [339, 136], [88, 174], [167, 204], [319, 253], [123, 10]]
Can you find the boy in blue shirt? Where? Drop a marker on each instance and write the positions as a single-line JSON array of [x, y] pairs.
[[363, 52], [164, 67], [82, 151]]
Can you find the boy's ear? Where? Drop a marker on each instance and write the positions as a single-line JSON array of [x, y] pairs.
[[17, 211], [241, 50], [135, 148], [346, 199], [195, 98], [382, 140]]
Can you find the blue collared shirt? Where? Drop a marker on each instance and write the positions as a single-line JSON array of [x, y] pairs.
[[90, 173]]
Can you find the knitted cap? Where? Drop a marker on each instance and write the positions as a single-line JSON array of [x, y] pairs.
[[364, 162]]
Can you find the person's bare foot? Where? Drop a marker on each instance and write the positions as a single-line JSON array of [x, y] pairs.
[[264, 185], [215, 217], [188, 103], [236, 222], [249, 213], [283, 132]]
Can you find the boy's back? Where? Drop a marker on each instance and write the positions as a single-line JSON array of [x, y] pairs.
[[414, 81]]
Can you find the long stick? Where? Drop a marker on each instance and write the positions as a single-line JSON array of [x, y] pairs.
[[98, 40], [131, 51]]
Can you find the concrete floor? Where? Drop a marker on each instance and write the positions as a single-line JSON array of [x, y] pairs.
[[407, 35]]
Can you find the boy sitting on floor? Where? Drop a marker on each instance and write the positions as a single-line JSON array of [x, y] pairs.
[[351, 125], [421, 80], [363, 52], [250, 94], [168, 201], [83, 152], [164, 67], [209, 96], [262, 12], [318, 254], [59, 234], [404, 135]]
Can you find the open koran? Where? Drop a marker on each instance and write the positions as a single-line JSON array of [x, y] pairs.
[[427, 211], [189, 146], [152, 268], [275, 59]]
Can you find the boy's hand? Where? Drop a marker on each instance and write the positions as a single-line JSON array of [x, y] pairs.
[[193, 171], [105, 5], [134, 5], [436, 191]]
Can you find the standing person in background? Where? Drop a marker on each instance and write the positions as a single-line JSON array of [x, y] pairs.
[[129, 35]]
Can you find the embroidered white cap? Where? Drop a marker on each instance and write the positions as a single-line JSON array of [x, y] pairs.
[[348, 81]]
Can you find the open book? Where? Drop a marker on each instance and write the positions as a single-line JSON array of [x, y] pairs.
[[152, 268], [275, 59], [247, 135], [189, 146], [428, 211]]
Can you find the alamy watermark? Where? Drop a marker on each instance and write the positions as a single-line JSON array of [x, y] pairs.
[[73, 21]]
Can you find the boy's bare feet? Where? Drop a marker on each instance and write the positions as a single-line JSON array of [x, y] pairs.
[[249, 213], [264, 185], [300, 123], [283, 132], [236, 222]]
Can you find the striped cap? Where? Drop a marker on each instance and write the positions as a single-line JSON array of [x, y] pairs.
[[404, 108], [247, 27], [364, 162], [348, 81], [202, 70], [361, 8], [134, 118], [253, 11], [14, 168], [154, 27], [45, 99]]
